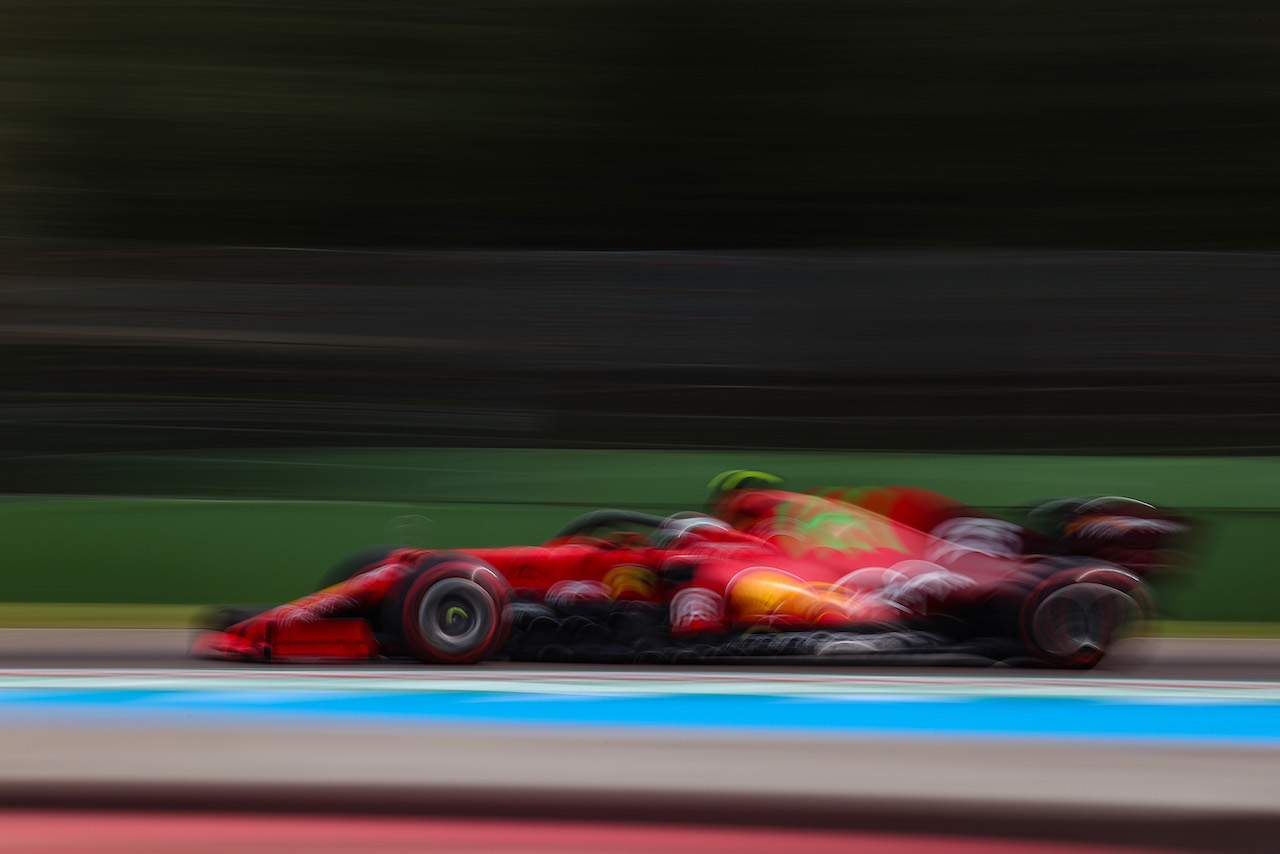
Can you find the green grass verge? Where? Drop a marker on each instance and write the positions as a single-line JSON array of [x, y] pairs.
[[1194, 629], [57, 615]]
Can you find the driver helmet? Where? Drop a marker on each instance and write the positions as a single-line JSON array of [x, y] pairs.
[[739, 479]]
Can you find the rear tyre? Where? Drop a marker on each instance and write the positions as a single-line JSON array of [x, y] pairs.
[[454, 609], [1074, 616]]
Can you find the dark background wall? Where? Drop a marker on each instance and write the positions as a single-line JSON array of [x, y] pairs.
[[1149, 124], [794, 223], [1056, 352]]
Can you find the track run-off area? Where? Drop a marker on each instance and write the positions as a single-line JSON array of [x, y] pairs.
[[1153, 754]]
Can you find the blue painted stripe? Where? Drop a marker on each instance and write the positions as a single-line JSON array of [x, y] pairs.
[[1193, 720]]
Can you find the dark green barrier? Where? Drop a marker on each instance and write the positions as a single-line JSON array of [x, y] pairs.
[[175, 551], [649, 478], [172, 547]]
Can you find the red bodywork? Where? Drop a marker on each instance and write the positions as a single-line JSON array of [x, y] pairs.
[[833, 560]]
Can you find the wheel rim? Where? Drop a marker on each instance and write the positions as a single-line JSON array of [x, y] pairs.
[[456, 615]]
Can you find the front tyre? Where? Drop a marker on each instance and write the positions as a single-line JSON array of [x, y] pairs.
[[454, 609]]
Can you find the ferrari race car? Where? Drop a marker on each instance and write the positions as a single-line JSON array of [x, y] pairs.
[[764, 572]]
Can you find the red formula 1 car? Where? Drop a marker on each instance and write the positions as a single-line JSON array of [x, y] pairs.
[[766, 572]]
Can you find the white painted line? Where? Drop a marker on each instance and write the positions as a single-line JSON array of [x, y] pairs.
[[620, 683]]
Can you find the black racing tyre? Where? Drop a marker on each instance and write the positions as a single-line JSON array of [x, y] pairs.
[[588, 523], [1074, 616], [351, 565], [454, 609]]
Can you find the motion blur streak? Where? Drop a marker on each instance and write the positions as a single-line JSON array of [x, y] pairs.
[[109, 350], [107, 833], [643, 122]]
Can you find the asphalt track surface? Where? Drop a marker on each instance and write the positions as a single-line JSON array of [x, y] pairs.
[[1167, 658], [581, 786]]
